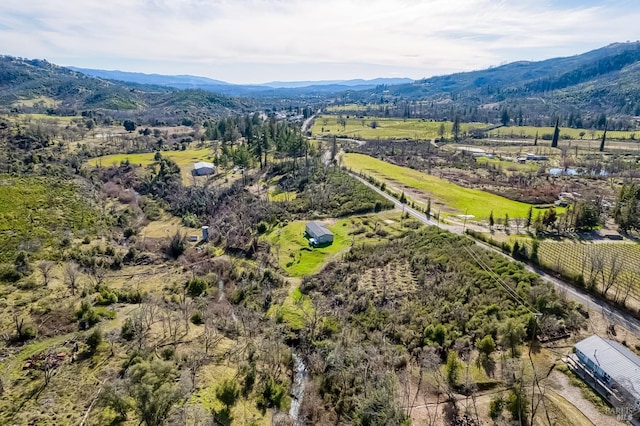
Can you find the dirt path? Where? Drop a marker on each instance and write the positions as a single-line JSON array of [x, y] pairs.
[[573, 394]]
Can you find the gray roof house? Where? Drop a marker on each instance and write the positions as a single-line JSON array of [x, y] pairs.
[[203, 168], [612, 370], [318, 234]]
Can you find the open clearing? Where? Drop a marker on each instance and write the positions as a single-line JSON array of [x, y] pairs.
[[469, 201], [297, 258], [185, 159]]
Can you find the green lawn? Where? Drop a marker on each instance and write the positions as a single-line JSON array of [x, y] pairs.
[[296, 256], [471, 201], [386, 128]]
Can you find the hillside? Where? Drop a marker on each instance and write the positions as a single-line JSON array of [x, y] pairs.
[[40, 85], [602, 80]]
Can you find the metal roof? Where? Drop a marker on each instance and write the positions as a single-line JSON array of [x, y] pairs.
[[615, 359], [317, 229], [202, 165]]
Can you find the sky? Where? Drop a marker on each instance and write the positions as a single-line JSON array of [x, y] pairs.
[[256, 41]]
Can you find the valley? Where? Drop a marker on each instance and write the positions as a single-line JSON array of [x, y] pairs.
[[174, 256]]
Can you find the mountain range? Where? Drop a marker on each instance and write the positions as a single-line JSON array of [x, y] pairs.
[[223, 87], [602, 81]]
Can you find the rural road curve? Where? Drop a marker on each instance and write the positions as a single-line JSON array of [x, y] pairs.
[[590, 302]]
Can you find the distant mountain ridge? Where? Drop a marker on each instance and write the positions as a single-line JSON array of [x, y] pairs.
[[605, 80], [223, 87]]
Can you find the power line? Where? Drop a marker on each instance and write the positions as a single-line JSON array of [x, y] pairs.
[[511, 292]]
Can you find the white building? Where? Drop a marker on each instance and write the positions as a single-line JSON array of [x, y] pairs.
[[203, 168]]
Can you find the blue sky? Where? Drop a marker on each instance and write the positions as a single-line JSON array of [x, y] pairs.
[[253, 41]]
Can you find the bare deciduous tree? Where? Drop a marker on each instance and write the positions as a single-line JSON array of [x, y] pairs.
[[46, 269], [71, 276]]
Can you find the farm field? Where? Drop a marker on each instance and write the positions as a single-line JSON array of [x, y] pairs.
[[464, 200], [386, 128], [575, 257], [530, 132]]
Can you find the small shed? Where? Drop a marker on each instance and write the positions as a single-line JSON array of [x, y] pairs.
[[203, 168], [318, 234]]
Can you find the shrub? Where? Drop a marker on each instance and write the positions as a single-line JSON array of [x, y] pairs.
[[228, 392], [94, 340], [9, 274], [190, 220], [272, 395], [86, 315], [196, 318], [177, 245], [196, 287], [106, 297], [128, 330], [262, 227]]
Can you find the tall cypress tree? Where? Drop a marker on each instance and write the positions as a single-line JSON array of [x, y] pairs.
[[556, 134], [604, 137]]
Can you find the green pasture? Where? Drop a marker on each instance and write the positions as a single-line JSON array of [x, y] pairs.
[[470, 201], [530, 132], [347, 107], [385, 128]]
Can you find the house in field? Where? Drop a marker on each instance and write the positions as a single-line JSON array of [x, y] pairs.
[[203, 168], [318, 234], [613, 371]]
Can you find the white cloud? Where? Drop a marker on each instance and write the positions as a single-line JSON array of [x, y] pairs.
[[259, 40]]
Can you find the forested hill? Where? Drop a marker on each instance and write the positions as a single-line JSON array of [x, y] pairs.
[[605, 80], [29, 83]]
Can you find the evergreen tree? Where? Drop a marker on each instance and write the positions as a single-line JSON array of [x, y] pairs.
[[456, 128], [529, 215], [556, 134], [491, 220], [604, 137]]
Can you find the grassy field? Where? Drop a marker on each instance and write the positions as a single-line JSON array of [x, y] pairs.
[[470, 201], [530, 132], [36, 212], [295, 309], [347, 107], [185, 159], [509, 165], [297, 258], [386, 128], [46, 101]]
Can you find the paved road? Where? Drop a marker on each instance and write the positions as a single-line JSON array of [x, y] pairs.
[[590, 302]]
